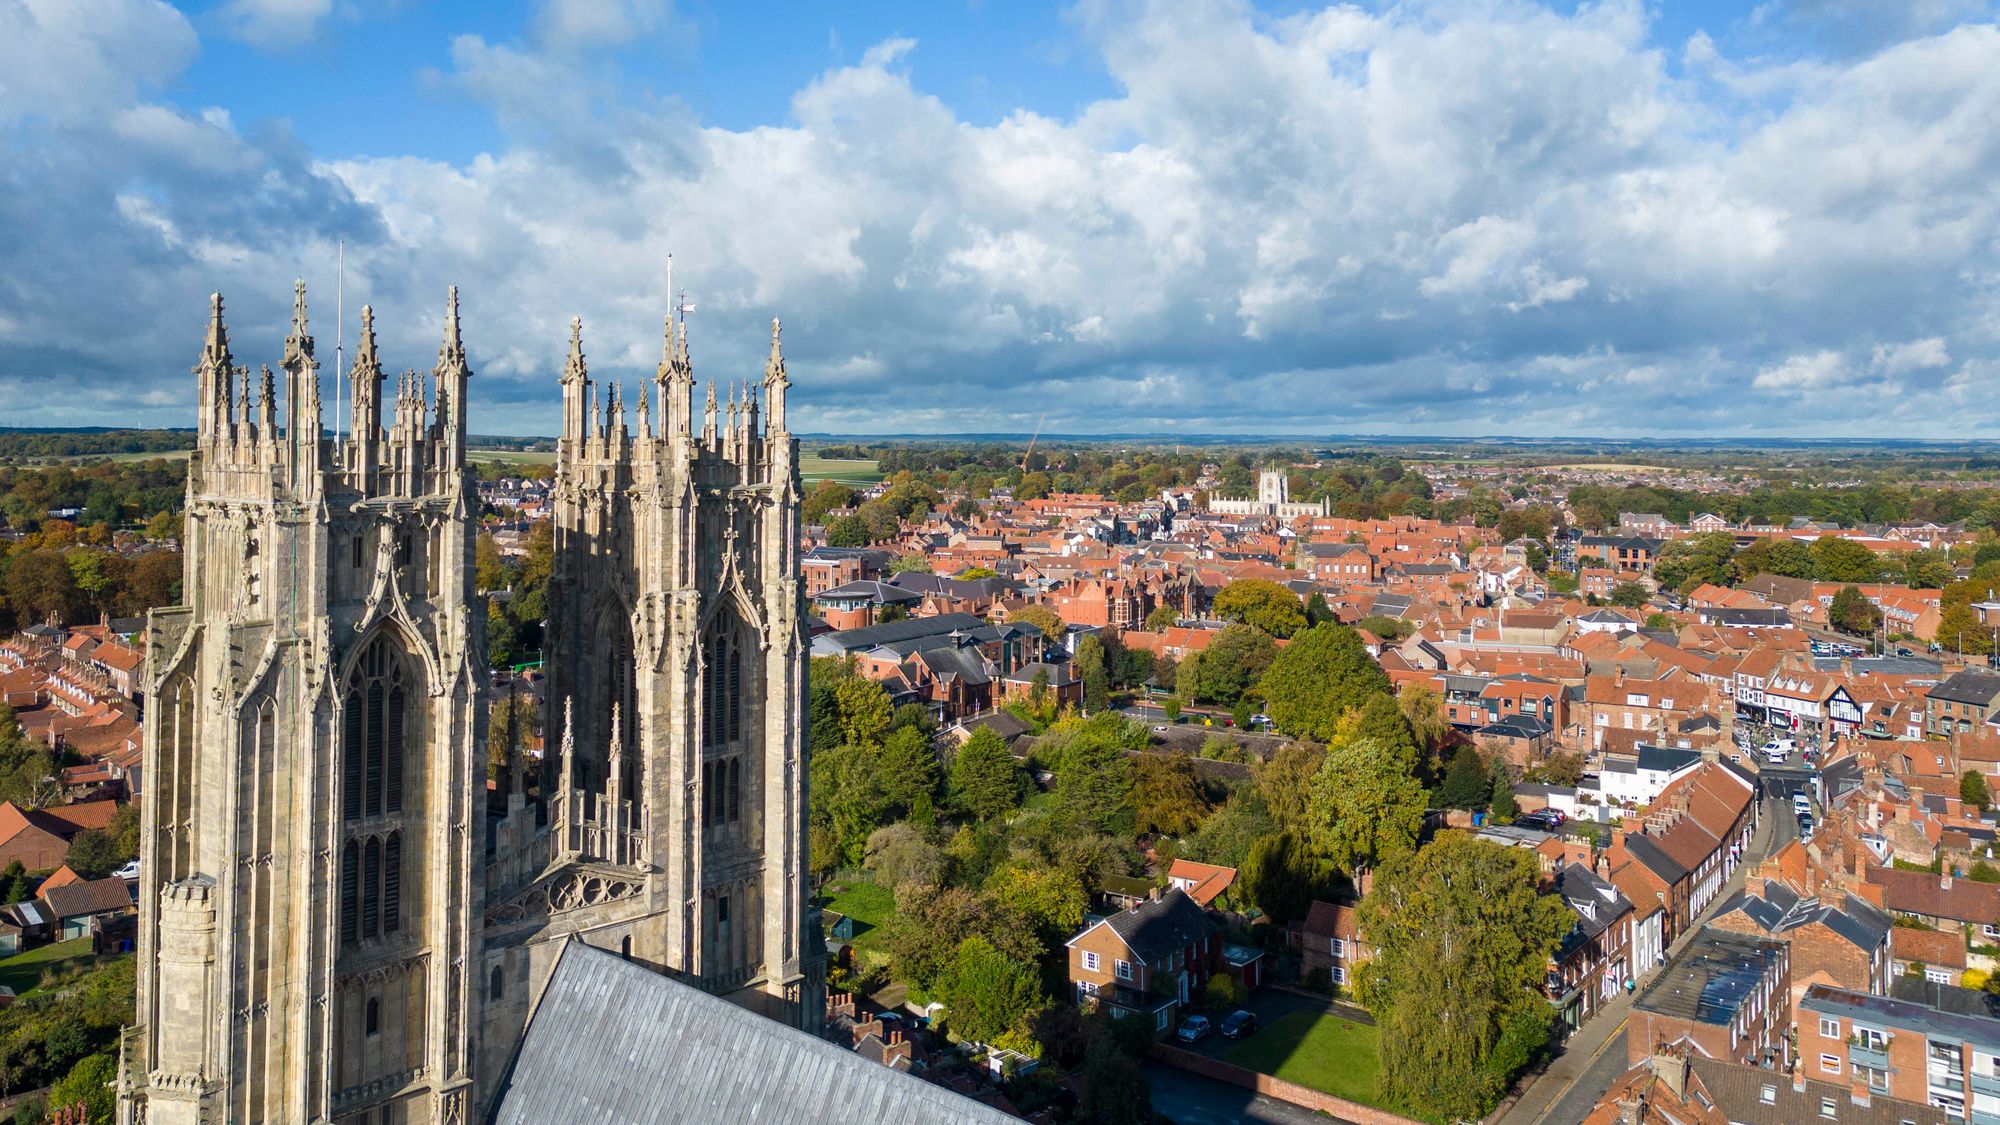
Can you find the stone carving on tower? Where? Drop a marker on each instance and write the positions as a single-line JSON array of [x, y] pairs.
[[336, 925], [676, 658], [314, 748]]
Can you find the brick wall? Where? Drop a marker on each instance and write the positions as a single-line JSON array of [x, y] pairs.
[[1302, 1096]]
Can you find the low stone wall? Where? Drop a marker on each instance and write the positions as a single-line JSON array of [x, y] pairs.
[[1303, 1096]]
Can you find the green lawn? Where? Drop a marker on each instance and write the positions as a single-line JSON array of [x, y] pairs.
[[23, 971], [813, 467], [871, 907], [1329, 1054]]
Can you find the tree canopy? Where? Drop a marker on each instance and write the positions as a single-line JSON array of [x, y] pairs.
[[1462, 939], [1263, 603], [1317, 679]]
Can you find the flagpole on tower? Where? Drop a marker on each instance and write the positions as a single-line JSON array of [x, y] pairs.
[[339, 336]]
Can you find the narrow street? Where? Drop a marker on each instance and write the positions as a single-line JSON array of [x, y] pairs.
[[1595, 1056]]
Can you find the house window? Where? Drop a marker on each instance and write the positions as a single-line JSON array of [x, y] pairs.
[[497, 985], [1990, 930], [1826, 1107], [1767, 1094], [1938, 976], [1829, 1029], [1340, 974], [1872, 1038], [1830, 1063], [1124, 970], [1085, 990], [373, 1019], [1160, 1020], [1089, 961], [1877, 1078], [1339, 947]]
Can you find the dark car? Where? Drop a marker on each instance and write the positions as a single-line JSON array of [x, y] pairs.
[[1238, 1024]]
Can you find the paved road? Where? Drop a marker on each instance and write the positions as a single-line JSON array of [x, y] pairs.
[[1604, 1069], [1595, 1056], [1190, 1099]]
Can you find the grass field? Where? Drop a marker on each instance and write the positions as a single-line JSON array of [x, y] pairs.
[[1329, 1054], [871, 907], [23, 971], [813, 467]]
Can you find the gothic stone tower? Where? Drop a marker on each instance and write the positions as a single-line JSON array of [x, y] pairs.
[[314, 752], [676, 660]]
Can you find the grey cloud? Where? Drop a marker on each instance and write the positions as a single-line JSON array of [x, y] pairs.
[[1436, 218]]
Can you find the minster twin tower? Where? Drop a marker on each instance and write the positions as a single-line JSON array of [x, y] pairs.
[[336, 923]]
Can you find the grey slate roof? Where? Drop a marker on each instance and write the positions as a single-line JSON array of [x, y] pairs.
[[1781, 910], [1160, 926], [881, 593], [615, 1042], [1976, 688], [1643, 849]]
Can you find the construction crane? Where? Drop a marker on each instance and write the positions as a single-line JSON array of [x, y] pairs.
[[1031, 442]]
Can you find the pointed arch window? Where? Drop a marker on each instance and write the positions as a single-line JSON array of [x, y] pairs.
[[722, 682], [374, 733]]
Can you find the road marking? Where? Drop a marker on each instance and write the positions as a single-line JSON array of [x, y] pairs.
[[1587, 1065]]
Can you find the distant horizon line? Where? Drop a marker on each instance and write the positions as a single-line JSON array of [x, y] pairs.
[[1154, 437]]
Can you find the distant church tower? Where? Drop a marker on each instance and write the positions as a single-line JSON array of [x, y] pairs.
[[314, 797], [676, 826]]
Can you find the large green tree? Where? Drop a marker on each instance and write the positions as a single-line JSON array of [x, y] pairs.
[[990, 998], [1285, 781], [1317, 679], [1261, 602], [1467, 783], [986, 781], [1836, 559], [1090, 667], [1282, 876], [1787, 558], [1167, 797], [1684, 564], [1462, 938], [1852, 612], [1233, 663], [1367, 805]]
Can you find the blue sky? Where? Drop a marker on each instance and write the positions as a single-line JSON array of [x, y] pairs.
[[1436, 216]]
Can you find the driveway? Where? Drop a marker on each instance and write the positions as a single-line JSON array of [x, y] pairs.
[[1190, 1099], [1267, 1004]]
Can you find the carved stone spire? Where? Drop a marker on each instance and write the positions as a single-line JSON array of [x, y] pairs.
[[574, 370], [576, 395], [645, 412], [213, 372], [366, 379], [300, 342], [708, 418], [452, 375], [451, 355], [614, 783], [267, 405], [568, 748], [775, 384]]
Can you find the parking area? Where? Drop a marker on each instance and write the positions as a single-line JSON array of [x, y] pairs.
[[1268, 1005]]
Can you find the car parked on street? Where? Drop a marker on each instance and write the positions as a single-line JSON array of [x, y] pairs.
[[1194, 1029], [1238, 1024]]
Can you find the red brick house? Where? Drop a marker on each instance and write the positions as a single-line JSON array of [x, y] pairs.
[[1329, 937], [1149, 961]]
